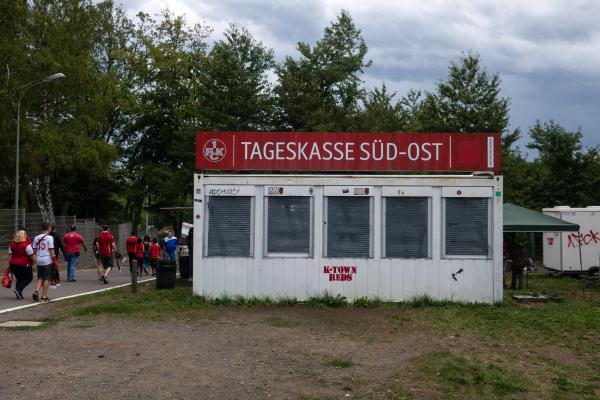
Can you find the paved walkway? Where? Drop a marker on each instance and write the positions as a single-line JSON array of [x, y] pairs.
[[87, 282]]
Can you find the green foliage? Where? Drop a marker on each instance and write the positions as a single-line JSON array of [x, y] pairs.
[[327, 300], [234, 93], [286, 301], [321, 90], [469, 101], [137, 90], [367, 302], [379, 115], [565, 174], [62, 123], [159, 158], [427, 301]]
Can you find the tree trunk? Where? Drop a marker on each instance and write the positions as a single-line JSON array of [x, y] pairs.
[[43, 197]]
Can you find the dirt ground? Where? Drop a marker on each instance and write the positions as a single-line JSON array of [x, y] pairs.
[[222, 353]]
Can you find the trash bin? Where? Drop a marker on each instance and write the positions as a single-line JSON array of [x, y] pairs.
[[184, 267], [165, 274]]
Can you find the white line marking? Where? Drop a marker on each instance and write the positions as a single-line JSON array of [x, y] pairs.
[[71, 296]]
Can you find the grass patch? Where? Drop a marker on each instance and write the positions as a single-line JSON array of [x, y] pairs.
[[566, 384], [327, 300], [286, 301], [457, 376], [340, 363], [147, 303], [366, 302], [427, 301]]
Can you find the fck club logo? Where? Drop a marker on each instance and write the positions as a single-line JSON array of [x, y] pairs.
[[214, 150]]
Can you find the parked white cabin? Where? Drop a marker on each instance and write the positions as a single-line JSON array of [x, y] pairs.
[[573, 252]]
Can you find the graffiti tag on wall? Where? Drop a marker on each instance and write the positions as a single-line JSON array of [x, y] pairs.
[[583, 239]]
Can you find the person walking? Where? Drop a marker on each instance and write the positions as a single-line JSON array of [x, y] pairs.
[[191, 250], [171, 246], [154, 255], [147, 245], [21, 261], [130, 246], [517, 256], [43, 247], [106, 247], [97, 257], [58, 247], [139, 256], [71, 243]]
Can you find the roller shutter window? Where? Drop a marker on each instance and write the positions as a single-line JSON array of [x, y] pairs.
[[407, 227], [288, 225], [348, 227], [229, 226], [467, 223]]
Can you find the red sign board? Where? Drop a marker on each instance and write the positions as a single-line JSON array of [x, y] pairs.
[[319, 151]]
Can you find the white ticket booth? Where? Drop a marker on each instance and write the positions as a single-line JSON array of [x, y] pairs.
[[392, 236]]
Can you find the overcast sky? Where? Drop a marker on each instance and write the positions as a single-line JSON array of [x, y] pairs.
[[547, 52]]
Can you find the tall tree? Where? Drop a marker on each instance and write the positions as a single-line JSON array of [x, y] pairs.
[[57, 145], [379, 115], [468, 101], [234, 92], [321, 91], [159, 156], [558, 165]]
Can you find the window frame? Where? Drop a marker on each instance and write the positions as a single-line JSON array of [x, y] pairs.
[[467, 193], [336, 192], [289, 193], [207, 224]]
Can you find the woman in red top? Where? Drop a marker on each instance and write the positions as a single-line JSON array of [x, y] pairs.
[[139, 255], [21, 260]]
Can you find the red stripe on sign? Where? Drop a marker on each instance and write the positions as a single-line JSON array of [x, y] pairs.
[[320, 151]]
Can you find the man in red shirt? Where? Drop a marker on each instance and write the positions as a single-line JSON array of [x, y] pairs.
[[106, 247], [71, 243], [130, 244]]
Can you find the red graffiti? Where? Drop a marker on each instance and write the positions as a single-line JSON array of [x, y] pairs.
[[581, 239]]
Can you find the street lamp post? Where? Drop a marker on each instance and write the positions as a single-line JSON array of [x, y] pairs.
[[20, 93]]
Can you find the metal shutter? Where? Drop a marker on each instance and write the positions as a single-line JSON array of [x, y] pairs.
[[288, 225], [407, 227], [348, 230], [467, 226], [229, 226]]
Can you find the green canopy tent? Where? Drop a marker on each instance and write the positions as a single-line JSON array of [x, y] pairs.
[[520, 219]]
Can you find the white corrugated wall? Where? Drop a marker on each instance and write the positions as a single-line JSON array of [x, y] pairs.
[[387, 279]]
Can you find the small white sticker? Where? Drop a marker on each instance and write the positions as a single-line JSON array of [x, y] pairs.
[[490, 148]]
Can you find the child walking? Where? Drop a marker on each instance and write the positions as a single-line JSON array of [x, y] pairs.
[[139, 256], [154, 255]]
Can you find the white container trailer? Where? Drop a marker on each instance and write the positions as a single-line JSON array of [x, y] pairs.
[[574, 252], [378, 236]]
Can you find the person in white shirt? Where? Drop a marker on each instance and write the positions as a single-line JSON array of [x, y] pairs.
[[43, 246]]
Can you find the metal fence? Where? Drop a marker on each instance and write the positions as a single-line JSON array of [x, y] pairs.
[[88, 228]]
